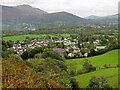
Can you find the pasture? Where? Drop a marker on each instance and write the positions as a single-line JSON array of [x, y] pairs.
[[23, 37], [110, 74], [109, 58]]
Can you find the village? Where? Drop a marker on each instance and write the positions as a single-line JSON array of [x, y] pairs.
[[67, 46]]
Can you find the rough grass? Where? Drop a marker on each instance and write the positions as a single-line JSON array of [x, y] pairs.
[[23, 37], [110, 74]]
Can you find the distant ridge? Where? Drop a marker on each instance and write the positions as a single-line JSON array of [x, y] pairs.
[[17, 15], [92, 17], [30, 10]]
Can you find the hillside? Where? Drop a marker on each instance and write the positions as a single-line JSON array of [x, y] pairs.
[[63, 18], [29, 10], [110, 19], [11, 13], [16, 15], [111, 75], [16, 74], [92, 17], [16, 12]]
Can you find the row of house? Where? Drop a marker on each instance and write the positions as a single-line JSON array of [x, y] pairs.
[[71, 46]]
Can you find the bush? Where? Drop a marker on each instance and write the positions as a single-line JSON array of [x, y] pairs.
[[80, 71], [25, 55], [118, 65], [87, 66], [6, 53], [62, 65], [72, 72], [75, 85], [39, 55], [107, 66], [49, 53], [40, 68], [98, 83], [16, 57]]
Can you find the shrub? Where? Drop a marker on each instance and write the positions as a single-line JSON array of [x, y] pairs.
[[118, 65], [80, 71], [62, 65], [39, 55], [72, 72], [106, 66], [49, 53], [6, 53], [87, 66], [15, 56], [98, 83], [75, 85], [40, 68]]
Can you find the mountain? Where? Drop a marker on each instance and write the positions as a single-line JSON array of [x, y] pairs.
[[29, 15], [21, 11], [11, 12], [92, 17], [63, 18], [30, 10], [111, 19], [25, 14]]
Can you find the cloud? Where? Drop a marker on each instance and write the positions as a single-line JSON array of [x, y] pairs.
[[79, 7], [16, 2]]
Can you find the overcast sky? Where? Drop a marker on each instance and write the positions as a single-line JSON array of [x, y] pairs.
[[81, 8]]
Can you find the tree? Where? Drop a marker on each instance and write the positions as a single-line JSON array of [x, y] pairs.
[[10, 43], [49, 53], [54, 69], [87, 66], [75, 85], [25, 55], [32, 52], [99, 83], [6, 53]]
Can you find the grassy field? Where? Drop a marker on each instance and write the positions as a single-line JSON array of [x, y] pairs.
[[23, 37], [99, 61], [110, 74]]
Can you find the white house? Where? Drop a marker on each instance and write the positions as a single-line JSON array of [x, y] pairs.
[[100, 47]]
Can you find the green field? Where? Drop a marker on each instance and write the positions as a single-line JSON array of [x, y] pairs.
[[23, 37], [110, 74], [99, 61]]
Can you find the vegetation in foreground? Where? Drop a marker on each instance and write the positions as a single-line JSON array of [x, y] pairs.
[[51, 73]]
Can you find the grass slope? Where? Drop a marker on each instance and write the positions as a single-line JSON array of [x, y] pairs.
[[23, 37], [110, 57], [111, 75]]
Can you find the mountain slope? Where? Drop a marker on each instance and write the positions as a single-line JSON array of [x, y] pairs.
[[92, 17], [18, 15], [34, 16], [30, 10], [63, 18], [11, 13], [111, 19]]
